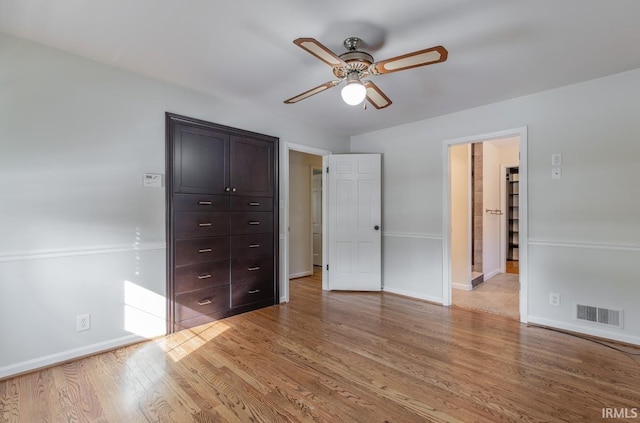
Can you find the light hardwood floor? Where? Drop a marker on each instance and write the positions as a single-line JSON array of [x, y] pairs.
[[337, 357], [499, 295], [512, 266]]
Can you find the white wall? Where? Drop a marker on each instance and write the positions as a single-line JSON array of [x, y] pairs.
[[583, 229], [300, 245], [79, 233]]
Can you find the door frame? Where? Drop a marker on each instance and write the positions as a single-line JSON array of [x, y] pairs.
[[285, 148], [520, 132]]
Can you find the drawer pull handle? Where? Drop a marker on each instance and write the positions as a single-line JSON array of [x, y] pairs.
[[203, 225], [254, 204], [205, 250], [252, 269], [255, 291], [254, 245], [204, 276], [254, 222], [205, 301], [204, 203]]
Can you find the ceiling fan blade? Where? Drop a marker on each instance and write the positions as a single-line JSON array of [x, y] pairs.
[[312, 91], [411, 60], [314, 47], [375, 96]]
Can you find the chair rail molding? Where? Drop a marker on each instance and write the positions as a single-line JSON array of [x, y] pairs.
[[13, 256]]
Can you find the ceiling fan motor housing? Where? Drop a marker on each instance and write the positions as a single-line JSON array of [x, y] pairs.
[[357, 61]]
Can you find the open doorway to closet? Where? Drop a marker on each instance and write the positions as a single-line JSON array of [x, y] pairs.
[[485, 224], [305, 217]]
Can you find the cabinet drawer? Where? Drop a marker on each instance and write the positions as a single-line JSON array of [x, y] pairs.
[[201, 250], [201, 224], [251, 292], [252, 269], [243, 246], [251, 203], [202, 319], [197, 202], [200, 276], [244, 223], [205, 301]]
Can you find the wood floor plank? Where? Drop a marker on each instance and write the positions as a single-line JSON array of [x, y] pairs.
[[337, 357]]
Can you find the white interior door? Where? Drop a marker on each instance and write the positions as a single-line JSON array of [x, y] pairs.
[[354, 218]]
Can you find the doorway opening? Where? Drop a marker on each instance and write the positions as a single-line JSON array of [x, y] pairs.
[[484, 213], [305, 214], [302, 257], [511, 179]]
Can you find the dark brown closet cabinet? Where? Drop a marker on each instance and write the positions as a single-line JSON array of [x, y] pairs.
[[222, 221]]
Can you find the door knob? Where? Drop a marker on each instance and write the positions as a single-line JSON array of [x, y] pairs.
[[376, 227], [227, 189]]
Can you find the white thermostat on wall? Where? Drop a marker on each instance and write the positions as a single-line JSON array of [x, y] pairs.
[[152, 180]]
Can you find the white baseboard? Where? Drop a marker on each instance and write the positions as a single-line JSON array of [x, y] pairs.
[[461, 286], [600, 333], [491, 274], [61, 357], [413, 295], [300, 274]]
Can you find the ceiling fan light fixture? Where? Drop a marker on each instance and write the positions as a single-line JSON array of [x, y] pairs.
[[354, 92]]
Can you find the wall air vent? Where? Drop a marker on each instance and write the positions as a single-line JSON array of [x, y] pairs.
[[599, 315]]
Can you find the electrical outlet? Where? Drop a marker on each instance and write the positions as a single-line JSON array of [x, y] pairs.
[[554, 299], [83, 322], [556, 159]]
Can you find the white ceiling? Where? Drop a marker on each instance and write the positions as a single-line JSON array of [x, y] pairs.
[[242, 50]]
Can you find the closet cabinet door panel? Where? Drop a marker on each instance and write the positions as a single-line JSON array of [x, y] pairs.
[[251, 292], [243, 246], [200, 160], [200, 202], [243, 223], [202, 319], [201, 224], [252, 167], [251, 203], [205, 301], [193, 277], [201, 250], [251, 269]]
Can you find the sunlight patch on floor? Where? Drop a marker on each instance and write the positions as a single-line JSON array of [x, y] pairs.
[[181, 344]]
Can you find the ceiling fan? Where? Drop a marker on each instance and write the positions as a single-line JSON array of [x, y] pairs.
[[355, 65]]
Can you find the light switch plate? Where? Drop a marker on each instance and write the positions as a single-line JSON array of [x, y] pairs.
[[556, 173], [556, 159]]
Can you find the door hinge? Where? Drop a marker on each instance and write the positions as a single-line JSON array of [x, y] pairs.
[[327, 267], [327, 169]]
